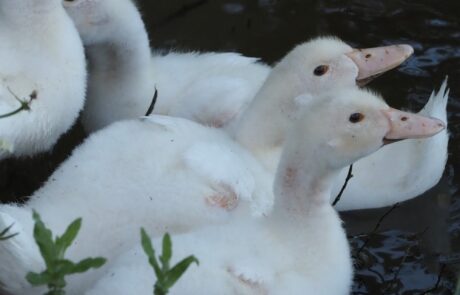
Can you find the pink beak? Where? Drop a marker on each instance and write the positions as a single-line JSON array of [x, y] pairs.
[[405, 125], [373, 62]]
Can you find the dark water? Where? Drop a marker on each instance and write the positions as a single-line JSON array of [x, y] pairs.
[[415, 249]]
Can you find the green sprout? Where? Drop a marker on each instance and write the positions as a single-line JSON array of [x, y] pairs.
[[4, 234], [166, 276], [53, 251]]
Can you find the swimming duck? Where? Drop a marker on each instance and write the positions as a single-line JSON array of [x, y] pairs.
[[43, 70], [301, 247], [122, 69], [199, 173], [209, 88], [123, 74]]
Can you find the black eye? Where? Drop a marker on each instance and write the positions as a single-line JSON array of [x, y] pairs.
[[356, 117], [321, 70]]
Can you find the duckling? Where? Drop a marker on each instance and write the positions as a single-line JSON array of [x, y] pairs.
[[199, 173], [210, 88], [301, 247], [43, 70], [123, 74]]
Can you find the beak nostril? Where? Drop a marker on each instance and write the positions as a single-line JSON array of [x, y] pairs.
[[404, 118], [368, 55]]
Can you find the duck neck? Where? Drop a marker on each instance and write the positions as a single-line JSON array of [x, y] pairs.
[[263, 124], [123, 54], [303, 182], [119, 76]]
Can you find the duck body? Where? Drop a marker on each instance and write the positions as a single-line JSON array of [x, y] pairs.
[[247, 266], [175, 186], [209, 88], [47, 69]]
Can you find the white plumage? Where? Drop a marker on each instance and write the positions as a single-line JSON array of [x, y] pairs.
[[42, 57]]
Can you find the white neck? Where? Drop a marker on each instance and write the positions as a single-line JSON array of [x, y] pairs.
[[120, 76], [302, 187], [128, 49], [264, 123]]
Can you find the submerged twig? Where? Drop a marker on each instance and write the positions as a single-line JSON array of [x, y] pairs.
[[182, 11], [403, 260], [438, 281], [152, 104], [349, 176], [376, 227]]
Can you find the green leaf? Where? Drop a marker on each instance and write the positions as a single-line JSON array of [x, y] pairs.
[[38, 279], [44, 239], [64, 242], [166, 252], [87, 264], [63, 267], [178, 270], [148, 249]]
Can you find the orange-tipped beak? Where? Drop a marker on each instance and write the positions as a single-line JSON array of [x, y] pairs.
[[373, 62], [405, 125]]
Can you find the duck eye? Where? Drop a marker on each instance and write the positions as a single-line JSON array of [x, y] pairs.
[[321, 70], [356, 117]]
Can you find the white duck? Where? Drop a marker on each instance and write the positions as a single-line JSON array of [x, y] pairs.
[[196, 172], [209, 88], [301, 247], [122, 74], [42, 61]]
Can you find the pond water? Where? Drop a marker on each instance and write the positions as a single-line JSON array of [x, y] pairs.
[[410, 249]]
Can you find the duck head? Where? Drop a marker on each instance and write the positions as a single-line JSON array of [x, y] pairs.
[[310, 69], [97, 21], [347, 125], [324, 61], [335, 130]]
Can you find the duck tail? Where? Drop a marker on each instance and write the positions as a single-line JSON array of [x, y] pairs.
[[436, 105]]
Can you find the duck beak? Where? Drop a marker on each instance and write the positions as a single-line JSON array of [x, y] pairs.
[[405, 125], [373, 62]]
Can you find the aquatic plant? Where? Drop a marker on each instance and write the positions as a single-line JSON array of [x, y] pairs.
[[166, 276], [53, 252]]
